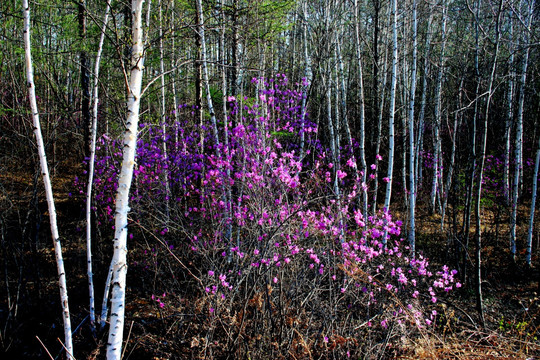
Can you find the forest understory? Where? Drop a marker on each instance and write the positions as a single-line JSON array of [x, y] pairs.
[[181, 329]]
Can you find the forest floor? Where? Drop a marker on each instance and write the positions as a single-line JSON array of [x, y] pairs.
[[30, 322]]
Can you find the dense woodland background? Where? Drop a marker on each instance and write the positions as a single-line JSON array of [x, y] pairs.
[[298, 163]]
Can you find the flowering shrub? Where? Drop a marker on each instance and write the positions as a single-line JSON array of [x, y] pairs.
[[283, 260]]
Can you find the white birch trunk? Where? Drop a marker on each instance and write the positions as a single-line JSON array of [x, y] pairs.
[[305, 84], [482, 158], [173, 82], [437, 156], [163, 114], [91, 165], [450, 172], [68, 343], [204, 65], [392, 111], [379, 130], [106, 292], [421, 115], [362, 117], [528, 253], [405, 89], [412, 174], [119, 261], [519, 132], [509, 113]]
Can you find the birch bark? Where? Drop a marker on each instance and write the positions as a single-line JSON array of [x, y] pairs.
[[519, 132], [482, 158], [163, 115], [528, 252], [509, 113], [437, 155], [119, 261], [361, 145], [392, 111], [91, 164], [412, 176], [68, 342], [421, 115], [521, 100], [206, 80]]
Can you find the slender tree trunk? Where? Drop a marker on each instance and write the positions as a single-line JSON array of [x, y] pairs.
[[206, 80], [450, 172], [482, 158], [376, 30], [405, 89], [509, 114], [437, 154], [380, 113], [473, 157], [421, 115], [528, 253], [343, 92], [235, 50], [119, 261], [85, 79], [519, 133], [163, 115], [361, 120], [91, 164], [305, 81], [198, 84], [68, 343], [412, 176], [392, 112]]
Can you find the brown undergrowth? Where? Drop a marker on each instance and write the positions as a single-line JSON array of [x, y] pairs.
[[178, 326]]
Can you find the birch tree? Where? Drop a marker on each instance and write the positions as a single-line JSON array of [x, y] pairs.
[[163, 113], [201, 30], [91, 164], [519, 129], [380, 111], [392, 111], [509, 112], [68, 342], [362, 130], [85, 78], [437, 153], [423, 104], [119, 261], [412, 93], [528, 253], [481, 162]]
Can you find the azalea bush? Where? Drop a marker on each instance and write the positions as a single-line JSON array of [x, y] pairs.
[[283, 265]]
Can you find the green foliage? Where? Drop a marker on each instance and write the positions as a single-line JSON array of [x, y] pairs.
[[280, 135]]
